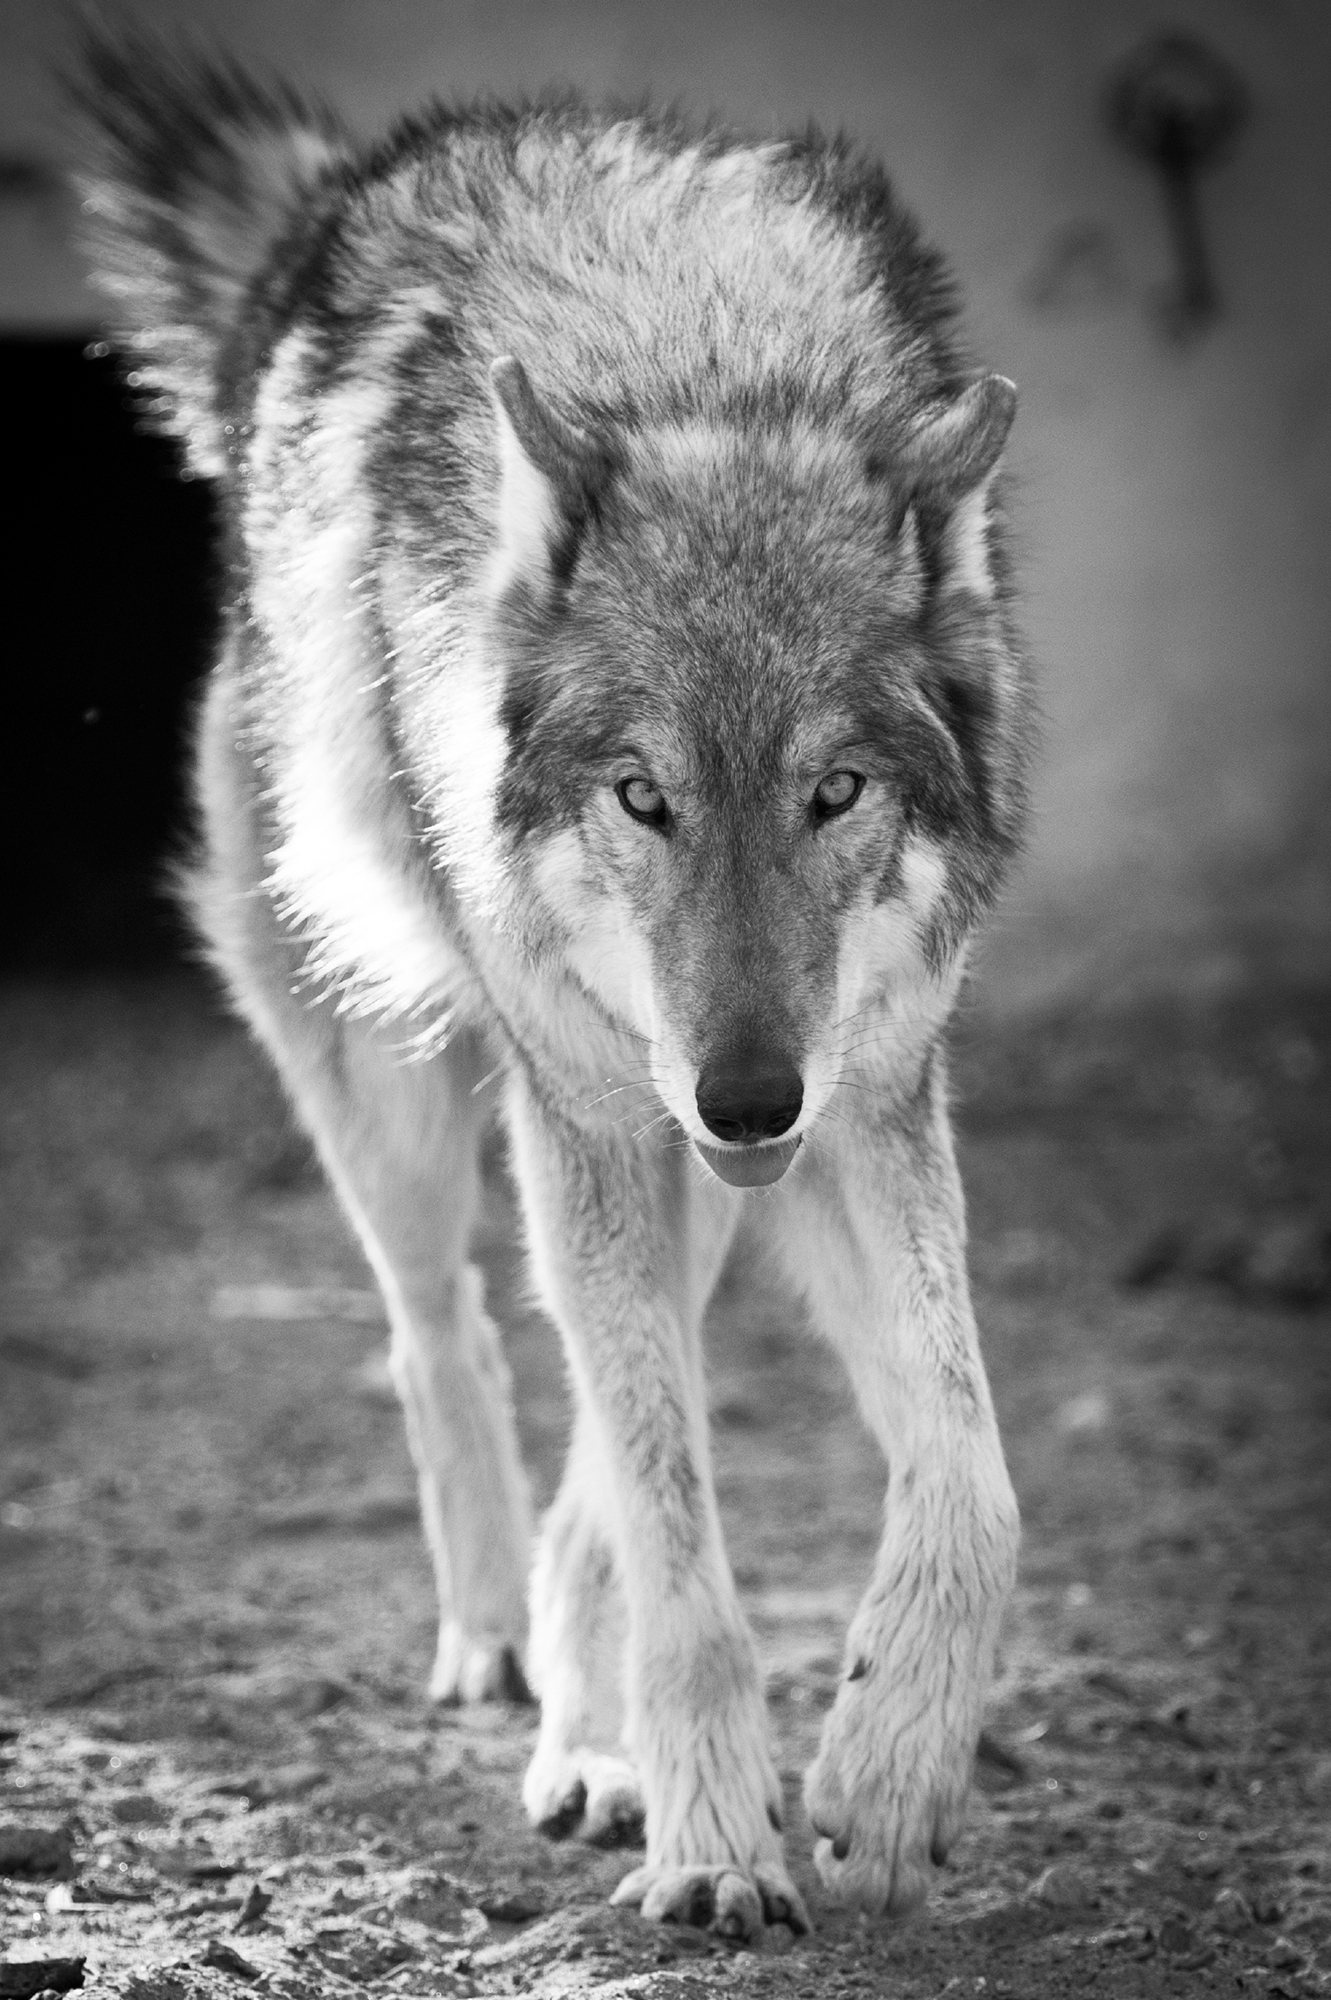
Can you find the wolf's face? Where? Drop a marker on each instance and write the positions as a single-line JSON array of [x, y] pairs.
[[744, 763], [742, 913]]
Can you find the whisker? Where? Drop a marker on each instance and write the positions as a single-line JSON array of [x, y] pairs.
[[616, 1090], [652, 1123], [869, 1089]]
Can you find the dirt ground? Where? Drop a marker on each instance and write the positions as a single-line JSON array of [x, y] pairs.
[[219, 1769]]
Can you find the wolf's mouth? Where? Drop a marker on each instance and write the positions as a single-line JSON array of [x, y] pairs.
[[750, 1166]]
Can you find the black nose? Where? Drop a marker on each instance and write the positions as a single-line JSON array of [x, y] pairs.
[[755, 1099]]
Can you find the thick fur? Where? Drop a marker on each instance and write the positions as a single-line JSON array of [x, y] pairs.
[[619, 713]]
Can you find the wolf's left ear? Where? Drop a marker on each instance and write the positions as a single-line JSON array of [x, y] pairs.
[[550, 475], [949, 461]]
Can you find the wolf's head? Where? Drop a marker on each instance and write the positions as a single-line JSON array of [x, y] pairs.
[[755, 761], [764, 734]]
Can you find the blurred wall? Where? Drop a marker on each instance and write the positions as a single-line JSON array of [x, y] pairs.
[[1172, 500]]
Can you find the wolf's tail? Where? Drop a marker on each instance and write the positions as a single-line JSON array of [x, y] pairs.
[[191, 174]]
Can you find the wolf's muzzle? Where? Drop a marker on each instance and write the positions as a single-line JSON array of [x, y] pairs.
[[748, 1098]]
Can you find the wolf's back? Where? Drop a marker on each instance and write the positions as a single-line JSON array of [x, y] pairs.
[[192, 174], [652, 271]]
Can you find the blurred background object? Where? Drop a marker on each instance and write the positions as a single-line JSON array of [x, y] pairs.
[[1179, 107], [1171, 497]]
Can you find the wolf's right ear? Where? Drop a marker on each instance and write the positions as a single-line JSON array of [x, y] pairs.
[[550, 477], [949, 461]]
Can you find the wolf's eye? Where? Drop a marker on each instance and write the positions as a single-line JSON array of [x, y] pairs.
[[642, 800], [836, 793]]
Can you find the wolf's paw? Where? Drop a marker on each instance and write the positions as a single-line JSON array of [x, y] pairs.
[[469, 1669], [886, 1801], [723, 1898], [586, 1794]]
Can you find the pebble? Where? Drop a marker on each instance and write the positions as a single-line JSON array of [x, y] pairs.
[[255, 1904], [304, 1698], [1063, 1887], [138, 1809], [1177, 1935], [512, 1906], [1284, 1955], [191, 1864], [227, 1960], [1231, 1912]]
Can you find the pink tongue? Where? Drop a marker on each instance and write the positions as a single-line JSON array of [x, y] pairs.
[[750, 1166]]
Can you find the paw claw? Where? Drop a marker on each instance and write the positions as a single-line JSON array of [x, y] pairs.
[[738, 1907], [885, 1801], [567, 1815], [874, 1890], [720, 1897], [782, 1902], [594, 1797]]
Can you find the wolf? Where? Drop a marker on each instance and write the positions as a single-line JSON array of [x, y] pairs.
[[620, 709]]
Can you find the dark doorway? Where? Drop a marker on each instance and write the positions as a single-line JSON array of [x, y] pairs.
[[109, 615]]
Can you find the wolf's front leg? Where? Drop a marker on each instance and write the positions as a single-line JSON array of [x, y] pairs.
[[625, 1249], [880, 1251]]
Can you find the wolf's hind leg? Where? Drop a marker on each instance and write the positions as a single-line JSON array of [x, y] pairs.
[[400, 1140], [580, 1780]]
